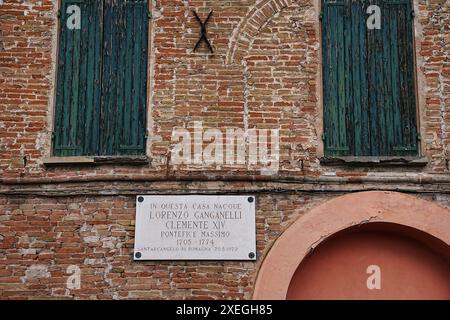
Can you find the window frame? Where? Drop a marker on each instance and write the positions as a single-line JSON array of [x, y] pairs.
[[53, 159], [419, 159]]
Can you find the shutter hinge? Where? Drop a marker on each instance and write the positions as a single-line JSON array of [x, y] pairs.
[[146, 134], [413, 14], [323, 136], [149, 15], [53, 135], [419, 137], [58, 13], [321, 15]]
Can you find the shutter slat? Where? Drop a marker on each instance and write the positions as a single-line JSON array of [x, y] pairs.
[[126, 122], [372, 90], [364, 84], [347, 134], [387, 69], [121, 73], [93, 80], [107, 81], [58, 142]]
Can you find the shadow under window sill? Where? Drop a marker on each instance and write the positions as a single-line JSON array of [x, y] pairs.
[[96, 160], [408, 161]]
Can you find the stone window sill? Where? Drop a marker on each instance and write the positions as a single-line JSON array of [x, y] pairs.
[[374, 161], [120, 160]]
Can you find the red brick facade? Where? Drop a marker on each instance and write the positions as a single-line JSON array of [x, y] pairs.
[[265, 73]]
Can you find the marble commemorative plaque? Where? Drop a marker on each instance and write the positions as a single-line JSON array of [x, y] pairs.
[[195, 227]]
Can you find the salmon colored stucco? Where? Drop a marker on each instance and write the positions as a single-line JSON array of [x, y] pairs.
[[321, 223], [371, 265]]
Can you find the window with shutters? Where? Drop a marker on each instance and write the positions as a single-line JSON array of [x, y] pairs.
[[368, 79], [101, 78]]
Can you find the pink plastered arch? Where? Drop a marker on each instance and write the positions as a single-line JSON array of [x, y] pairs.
[[338, 214]]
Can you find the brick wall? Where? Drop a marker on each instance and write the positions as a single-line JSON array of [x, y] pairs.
[[41, 237], [264, 73]]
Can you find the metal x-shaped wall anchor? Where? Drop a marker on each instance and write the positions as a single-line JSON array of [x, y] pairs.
[[203, 34]]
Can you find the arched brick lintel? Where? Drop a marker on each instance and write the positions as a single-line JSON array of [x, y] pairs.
[[256, 18], [338, 214]]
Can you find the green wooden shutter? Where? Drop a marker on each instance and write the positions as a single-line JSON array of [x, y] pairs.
[[124, 86], [78, 82], [335, 107], [102, 80], [368, 78]]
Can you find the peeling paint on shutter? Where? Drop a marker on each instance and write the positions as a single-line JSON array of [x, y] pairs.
[[102, 80], [124, 77], [368, 79], [78, 82]]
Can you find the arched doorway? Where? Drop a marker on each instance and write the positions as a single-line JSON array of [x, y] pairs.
[[335, 244], [374, 261]]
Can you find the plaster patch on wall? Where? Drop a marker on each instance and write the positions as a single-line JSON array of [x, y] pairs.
[[36, 271]]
